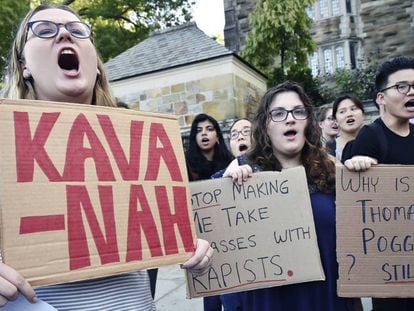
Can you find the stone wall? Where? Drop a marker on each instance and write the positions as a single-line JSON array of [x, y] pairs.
[[388, 28], [225, 97], [236, 13]]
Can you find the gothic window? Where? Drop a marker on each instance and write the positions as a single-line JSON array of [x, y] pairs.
[[310, 10], [339, 57], [314, 65], [327, 55], [336, 7], [324, 8]]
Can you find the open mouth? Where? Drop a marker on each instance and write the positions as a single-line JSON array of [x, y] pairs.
[[68, 60], [205, 140], [242, 148], [350, 121], [290, 133], [409, 104]]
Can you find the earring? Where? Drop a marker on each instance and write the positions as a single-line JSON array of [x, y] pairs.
[[98, 72]]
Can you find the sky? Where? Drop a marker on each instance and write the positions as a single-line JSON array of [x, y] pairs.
[[209, 16]]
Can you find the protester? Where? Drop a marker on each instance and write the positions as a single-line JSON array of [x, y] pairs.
[[53, 58], [329, 128], [348, 112], [240, 137], [286, 135], [240, 141], [390, 139], [207, 153]]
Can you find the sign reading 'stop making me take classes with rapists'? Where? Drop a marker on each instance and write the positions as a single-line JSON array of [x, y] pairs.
[[375, 231], [262, 232], [89, 191]]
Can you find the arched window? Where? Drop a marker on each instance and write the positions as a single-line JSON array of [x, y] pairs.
[[310, 10], [324, 8], [339, 57], [327, 55], [314, 64], [336, 7]]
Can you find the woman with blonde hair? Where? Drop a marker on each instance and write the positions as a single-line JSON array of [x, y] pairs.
[[53, 58]]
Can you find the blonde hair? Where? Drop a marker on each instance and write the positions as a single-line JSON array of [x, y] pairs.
[[17, 87]]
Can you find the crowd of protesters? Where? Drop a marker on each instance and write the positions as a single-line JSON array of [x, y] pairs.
[[54, 59]]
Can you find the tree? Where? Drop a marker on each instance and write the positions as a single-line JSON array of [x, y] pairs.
[[120, 24], [359, 81], [11, 13], [117, 24], [279, 43], [279, 35]]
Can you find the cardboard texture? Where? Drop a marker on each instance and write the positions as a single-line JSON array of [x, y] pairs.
[[89, 191], [375, 231], [262, 233]]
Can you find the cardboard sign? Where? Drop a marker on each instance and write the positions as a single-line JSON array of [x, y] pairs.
[[89, 191], [375, 231], [262, 232]]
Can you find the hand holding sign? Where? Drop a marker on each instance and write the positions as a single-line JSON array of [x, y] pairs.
[[260, 232]]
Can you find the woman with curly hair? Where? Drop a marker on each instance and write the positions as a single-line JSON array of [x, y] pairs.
[[286, 135]]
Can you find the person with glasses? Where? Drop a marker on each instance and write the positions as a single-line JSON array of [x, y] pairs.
[[53, 58], [286, 135], [240, 141], [395, 97], [391, 140], [329, 128], [240, 137], [349, 114]]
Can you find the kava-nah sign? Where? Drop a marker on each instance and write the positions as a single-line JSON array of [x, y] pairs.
[[89, 191]]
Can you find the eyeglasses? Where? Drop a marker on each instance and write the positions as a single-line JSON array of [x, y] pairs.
[[47, 29], [401, 87], [280, 114], [245, 132]]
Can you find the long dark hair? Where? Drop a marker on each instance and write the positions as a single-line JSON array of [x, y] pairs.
[[320, 170], [198, 166]]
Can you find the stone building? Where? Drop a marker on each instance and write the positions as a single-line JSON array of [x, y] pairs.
[[348, 33], [184, 72]]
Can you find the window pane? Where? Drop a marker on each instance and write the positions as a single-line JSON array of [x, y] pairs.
[[327, 54], [323, 8], [313, 63], [336, 9], [339, 56], [310, 10]]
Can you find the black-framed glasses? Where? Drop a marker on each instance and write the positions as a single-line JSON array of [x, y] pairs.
[[281, 114], [402, 87], [245, 132], [48, 29]]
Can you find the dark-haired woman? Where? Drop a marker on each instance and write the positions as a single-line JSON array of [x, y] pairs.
[[207, 153], [286, 135]]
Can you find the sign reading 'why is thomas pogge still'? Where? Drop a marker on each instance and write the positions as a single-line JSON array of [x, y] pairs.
[[262, 232], [375, 231]]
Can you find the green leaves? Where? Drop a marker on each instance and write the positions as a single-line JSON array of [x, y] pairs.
[[120, 24], [11, 13], [117, 24], [279, 32]]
